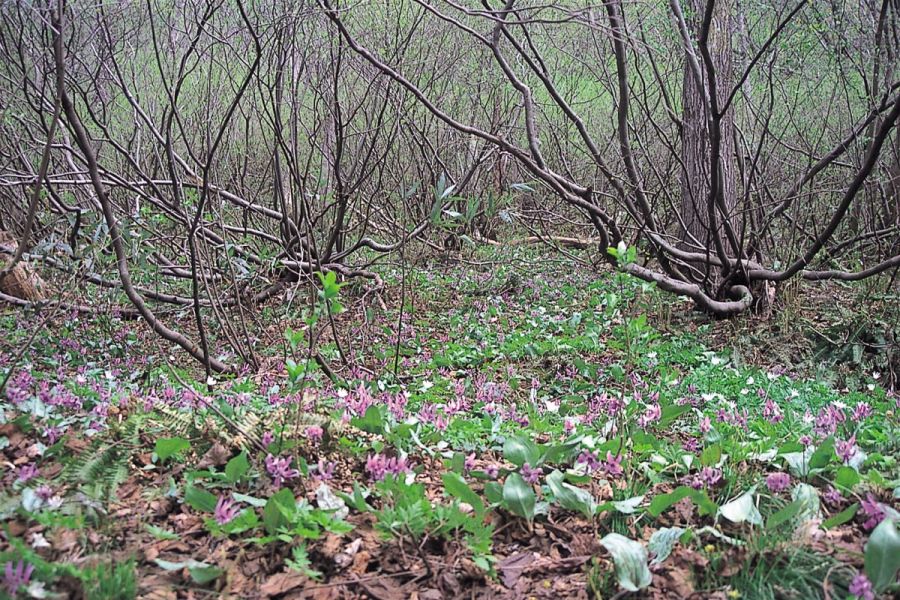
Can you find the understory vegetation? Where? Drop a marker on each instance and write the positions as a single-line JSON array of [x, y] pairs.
[[426, 299], [507, 429]]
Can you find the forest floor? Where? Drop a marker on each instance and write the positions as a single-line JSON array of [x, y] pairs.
[[535, 431]]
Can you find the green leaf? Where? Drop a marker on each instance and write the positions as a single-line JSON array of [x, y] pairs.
[[842, 517], [168, 447], [785, 514], [199, 499], [518, 496], [251, 500], [202, 573], [457, 487], [521, 450], [557, 453], [711, 455], [628, 506], [846, 478], [160, 533], [882, 559], [493, 492], [661, 503], [742, 509], [672, 412], [570, 497], [808, 496], [245, 521], [279, 511], [662, 541], [237, 467], [823, 454], [371, 422], [630, 558]]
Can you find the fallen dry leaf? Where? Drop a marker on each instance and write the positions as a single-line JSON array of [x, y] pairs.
[[280, 583], [511, 567]]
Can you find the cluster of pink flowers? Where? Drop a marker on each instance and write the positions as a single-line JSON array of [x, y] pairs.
[[18, 388], [772, 412], [16, 576], [828, 420], [430, 414], [314, 434], [531, 474], [611, 406], [611, 466], [225, 511], [279, 469], [324, 471], [396, 404], [846, 449], [861, 412], [651, 415], [832, 496], [357, 402], [486, 392], [707, 477], [27, 473], [870, 509], [378, 466], [778, 482], [733, 417], [862, 588]]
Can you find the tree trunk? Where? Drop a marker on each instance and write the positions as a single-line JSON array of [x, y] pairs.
[[696, 137]]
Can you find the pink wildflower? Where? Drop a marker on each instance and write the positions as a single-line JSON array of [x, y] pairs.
[[778, 482], [225, 511], [279, 469]]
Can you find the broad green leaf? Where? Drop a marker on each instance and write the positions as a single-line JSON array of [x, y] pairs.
[[660, 504], [842, 517], [245, 521], [662, 541], [711, 455], [630, 558], [202, 573], [627, 507], [808, 497], [742, 509], [251, 500], [518, 496], [823, 454], [457, 487], [672, 412], [371, 422], [846, 478], [237, 467], [493, 492], [663, 502], [882, 559], [199, 499], [168, 447], [798, 462], [521, 450], [557, 453], [570, 497], [785, 514], [160, 533], [279, 510]]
